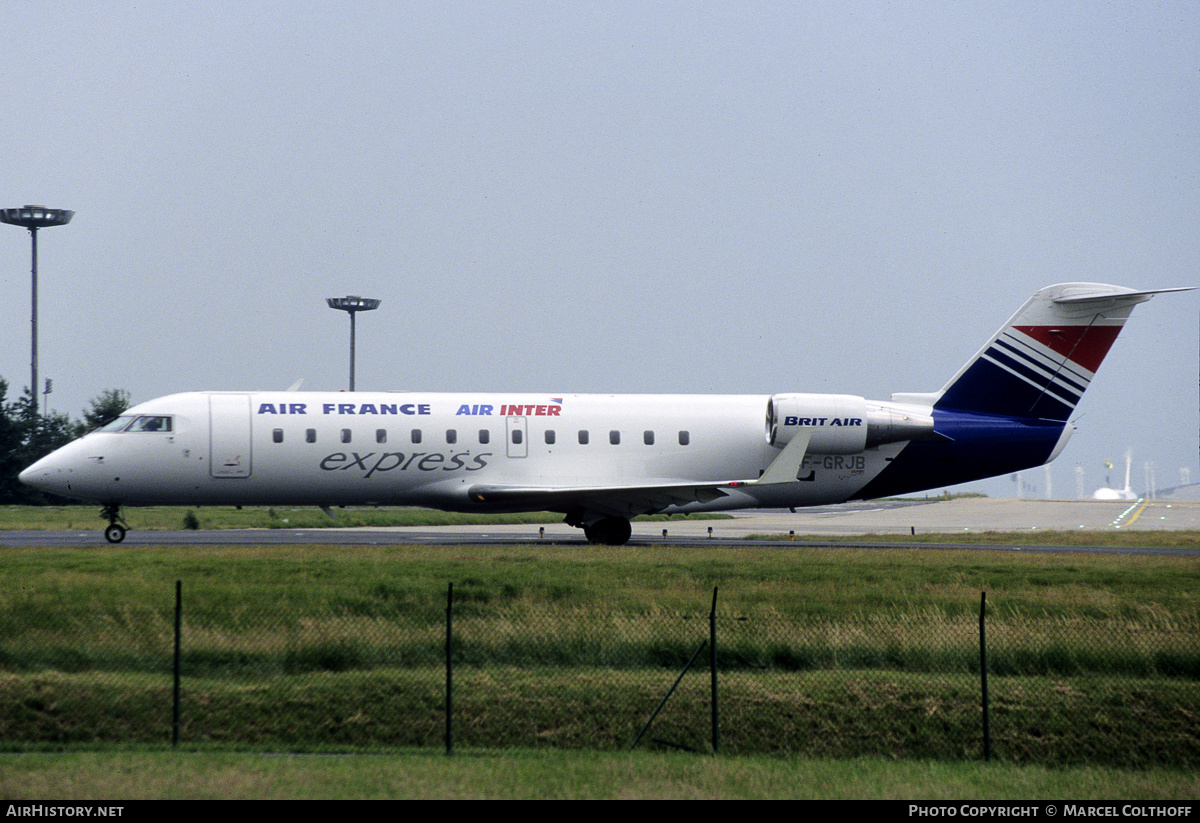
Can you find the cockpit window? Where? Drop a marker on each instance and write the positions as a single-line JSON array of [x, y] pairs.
[[116, 425], [135, 423], [151, 423]]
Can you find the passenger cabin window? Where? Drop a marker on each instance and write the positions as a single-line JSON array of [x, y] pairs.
[[345, 435], [549, 437], [684, 438], [310, 435], [648, 438], [381, 435], [484, 436], [518, 437], [416, 435], [451, 436], [277, 435], [583, 437], [614, 437]]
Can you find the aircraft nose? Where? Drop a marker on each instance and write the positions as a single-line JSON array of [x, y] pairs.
[[53, 473], [41, 475], [78, 471]]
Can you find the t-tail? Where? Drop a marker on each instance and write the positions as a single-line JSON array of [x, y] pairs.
[[1040, 363], [1008, 408]]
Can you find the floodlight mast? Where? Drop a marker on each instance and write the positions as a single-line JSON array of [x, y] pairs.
[[352, 304], [34, 218]]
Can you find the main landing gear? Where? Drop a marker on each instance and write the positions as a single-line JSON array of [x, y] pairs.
[[611, 531], [117, 527]]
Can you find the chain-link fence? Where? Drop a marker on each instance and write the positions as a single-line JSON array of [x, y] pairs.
[[893, 683]]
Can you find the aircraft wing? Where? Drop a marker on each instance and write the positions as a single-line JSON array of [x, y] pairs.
[[630, 501], [609, 501]]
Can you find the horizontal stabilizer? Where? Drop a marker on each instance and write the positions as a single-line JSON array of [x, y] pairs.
[[1089, 295]]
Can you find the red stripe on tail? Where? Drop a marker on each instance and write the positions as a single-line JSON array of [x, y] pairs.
[[1084, 345]]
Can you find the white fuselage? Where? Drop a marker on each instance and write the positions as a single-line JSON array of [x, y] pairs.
[[400, 448]]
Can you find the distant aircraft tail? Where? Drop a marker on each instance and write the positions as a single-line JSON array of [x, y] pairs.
[[1039, 364]]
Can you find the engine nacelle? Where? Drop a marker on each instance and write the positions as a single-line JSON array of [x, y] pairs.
[[842, 423]]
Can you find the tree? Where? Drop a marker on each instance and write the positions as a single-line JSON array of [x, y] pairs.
[[12, 446], [30, 437], [26, 436], [105, 408]]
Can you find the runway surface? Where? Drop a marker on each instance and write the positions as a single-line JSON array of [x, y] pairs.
[[839, 525]]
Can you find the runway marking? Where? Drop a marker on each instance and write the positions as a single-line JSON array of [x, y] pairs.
[[1137, 512]]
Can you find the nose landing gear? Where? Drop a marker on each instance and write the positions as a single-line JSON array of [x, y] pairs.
[[117, 527]]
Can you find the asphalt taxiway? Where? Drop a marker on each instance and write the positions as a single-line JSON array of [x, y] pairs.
[[843, 524]]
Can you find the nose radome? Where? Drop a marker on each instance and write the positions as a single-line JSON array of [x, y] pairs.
[[44, 474]]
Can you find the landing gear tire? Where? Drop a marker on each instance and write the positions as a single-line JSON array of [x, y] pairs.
[[115, 532], [611, 531]]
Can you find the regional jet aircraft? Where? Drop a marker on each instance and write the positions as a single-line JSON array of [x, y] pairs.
[[603, 459]]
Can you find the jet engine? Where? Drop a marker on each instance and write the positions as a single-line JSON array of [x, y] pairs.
[[842, 423]]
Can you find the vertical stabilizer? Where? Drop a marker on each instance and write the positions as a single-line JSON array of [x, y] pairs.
[[1039, 364]]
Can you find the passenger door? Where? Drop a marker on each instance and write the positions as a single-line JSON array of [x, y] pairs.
[[229, 435]]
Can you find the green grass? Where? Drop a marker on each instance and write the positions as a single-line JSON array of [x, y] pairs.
[[855, 713], [472, 774], [48, 588], [825, 652]]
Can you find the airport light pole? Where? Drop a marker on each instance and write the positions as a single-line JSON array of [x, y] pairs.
[[352, 304], [34, 218]]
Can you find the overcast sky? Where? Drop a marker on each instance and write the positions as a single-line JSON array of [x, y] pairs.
[[604, 197]]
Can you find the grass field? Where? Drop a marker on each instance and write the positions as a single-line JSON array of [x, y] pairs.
[[281, 640], [509, 775]]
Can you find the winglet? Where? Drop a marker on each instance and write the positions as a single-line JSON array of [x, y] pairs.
[[786, 467]]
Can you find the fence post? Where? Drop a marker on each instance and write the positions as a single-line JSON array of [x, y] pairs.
[[667, 696], [449, 670], [712, 668], [987, 734], [178, 647]]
